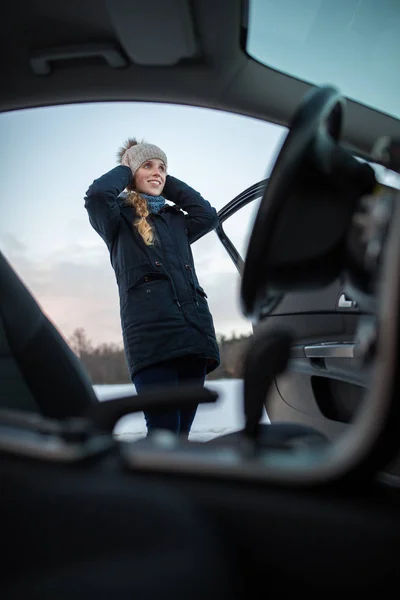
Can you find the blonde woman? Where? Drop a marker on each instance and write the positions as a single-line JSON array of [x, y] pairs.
[[167, 327]]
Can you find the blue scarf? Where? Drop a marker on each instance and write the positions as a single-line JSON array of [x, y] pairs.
[[154, 203]]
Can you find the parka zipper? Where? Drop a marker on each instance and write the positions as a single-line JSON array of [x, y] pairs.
[[194, 325], [186, 266], [162, 264]]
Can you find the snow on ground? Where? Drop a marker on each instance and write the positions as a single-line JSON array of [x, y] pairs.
[[211, 420]]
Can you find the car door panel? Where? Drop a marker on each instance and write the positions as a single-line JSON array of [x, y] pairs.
[[320, 388], [292, 400], [320, 391], [330, 299]]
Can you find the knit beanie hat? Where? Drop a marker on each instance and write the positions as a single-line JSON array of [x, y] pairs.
[[137, 153]]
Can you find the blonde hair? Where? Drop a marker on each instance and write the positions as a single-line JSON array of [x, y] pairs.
[[142, 225]]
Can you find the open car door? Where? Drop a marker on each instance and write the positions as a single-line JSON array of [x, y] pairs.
[[324, 384]]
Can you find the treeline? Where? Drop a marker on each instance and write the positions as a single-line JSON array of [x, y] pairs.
[[106, 363]]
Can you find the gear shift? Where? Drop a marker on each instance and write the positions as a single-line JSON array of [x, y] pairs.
[[267, 357]]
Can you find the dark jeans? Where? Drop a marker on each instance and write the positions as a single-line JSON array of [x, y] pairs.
[[186, 369]]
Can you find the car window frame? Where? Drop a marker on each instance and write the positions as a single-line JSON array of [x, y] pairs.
[[249, 195]]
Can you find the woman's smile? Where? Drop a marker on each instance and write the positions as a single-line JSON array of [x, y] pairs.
[[150, 177]]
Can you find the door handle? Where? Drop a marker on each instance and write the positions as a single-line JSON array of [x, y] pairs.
[[331, 350], [345, 302]]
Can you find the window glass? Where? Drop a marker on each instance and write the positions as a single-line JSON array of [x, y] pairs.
[[353, 44], [238, 227]]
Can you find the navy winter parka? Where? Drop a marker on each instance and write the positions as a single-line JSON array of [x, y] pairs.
[[164, 310]]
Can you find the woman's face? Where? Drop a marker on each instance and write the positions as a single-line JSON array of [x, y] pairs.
[[150, 177]]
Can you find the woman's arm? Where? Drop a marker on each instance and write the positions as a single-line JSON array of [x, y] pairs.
[[201, 217], [101, 201]]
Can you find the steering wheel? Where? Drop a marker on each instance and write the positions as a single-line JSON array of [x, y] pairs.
[[297, 239]]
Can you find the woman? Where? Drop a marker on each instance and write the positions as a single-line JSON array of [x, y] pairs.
[[167, 328]]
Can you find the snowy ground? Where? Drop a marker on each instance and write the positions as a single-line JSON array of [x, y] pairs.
[[211, 420]]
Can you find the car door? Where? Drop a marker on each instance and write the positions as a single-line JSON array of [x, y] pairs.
[[325, 382]]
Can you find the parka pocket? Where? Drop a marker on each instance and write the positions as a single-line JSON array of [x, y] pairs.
[[146, 296], [205, 319], [136, 276], [201, 292]]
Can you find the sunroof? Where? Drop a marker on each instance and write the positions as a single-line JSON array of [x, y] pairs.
[[352, 44]]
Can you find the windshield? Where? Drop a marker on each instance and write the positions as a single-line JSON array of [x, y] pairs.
[[352, 44], [52, 155], [45, 232]]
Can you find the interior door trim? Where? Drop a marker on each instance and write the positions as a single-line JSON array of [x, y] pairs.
[[331, 350]]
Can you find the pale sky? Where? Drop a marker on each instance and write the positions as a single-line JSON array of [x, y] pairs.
[[354, 44], [50, 156]]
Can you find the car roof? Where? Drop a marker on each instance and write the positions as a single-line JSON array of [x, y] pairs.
[[174, 51]]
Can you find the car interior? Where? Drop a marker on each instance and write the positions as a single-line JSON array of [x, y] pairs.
[[309, 501]]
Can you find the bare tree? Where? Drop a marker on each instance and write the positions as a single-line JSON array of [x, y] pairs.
[[106, 363]]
